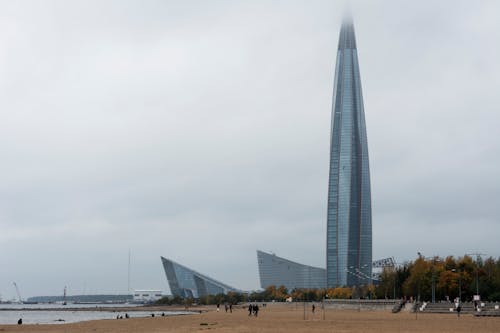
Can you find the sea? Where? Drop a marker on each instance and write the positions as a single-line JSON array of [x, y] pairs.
[[71, 313]]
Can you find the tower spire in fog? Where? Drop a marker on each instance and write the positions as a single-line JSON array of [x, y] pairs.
[[349, 221]]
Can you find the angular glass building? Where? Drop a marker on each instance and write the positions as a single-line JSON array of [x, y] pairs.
[[186, 282], [349, 220], [277, 271]]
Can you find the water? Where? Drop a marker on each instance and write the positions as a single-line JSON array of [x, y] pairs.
[[71, 313], [6, 306]]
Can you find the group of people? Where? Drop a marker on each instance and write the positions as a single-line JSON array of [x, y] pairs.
[[226, 307], [127, 316], [121, 317], [253, 309]]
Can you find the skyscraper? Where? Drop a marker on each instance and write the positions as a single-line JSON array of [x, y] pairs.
[[349, 220]]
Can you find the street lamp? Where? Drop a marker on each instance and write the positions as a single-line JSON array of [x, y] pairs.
[[324, 296], [434, 279], [362, 275], [434, 260], [395, 277], [478, 259], [357, 286], [459, 283]]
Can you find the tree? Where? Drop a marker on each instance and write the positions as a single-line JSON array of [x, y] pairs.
[[281, 293], [387, 283], [418, 283], [448, 283], [340, 293]]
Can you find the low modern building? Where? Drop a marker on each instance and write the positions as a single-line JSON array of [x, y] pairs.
[[186, 282], [147, 296], [277, 271]]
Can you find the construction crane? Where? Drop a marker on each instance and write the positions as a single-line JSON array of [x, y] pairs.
[[18, 293]]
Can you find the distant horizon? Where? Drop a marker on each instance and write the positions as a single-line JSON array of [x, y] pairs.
[[130, 293]]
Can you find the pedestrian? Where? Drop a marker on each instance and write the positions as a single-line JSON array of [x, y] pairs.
[[231, 307], [255, 310], [126, 316], [459, 308], [226, 307], [250, 309], [313, 308], [218, 305]]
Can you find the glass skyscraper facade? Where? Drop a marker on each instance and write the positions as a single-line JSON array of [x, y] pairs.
[[186, 282], [349, 220], [276, 271]]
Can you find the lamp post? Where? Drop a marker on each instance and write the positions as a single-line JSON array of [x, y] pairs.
[[459, 283], [362, 275], [433, 286], [304, 297], [324, 296], [359, 275], [478, 259], [357, 286], [477, 279], [395, 277]]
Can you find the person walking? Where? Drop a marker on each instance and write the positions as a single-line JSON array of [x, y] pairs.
[[250, 309], [313, 308]]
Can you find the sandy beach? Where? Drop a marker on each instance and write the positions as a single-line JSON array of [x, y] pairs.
[[279, 318]]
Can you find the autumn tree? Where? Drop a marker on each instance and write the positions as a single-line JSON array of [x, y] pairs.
[[340, 293]]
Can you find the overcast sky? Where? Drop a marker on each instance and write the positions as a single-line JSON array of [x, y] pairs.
[[199, 131]]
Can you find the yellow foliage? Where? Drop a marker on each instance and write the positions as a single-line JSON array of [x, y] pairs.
[[340, 292]]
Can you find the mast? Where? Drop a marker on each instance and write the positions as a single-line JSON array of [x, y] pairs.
[[128, 272]]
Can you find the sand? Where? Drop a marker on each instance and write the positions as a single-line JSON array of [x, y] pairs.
[[287, 318]]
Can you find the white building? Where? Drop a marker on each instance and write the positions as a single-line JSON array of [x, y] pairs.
[[147, 296]]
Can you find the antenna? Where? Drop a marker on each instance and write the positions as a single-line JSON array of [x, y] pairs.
[[128, 273]]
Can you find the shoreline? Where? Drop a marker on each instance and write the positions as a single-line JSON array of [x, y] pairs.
[[140, 308], [277, 318]]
